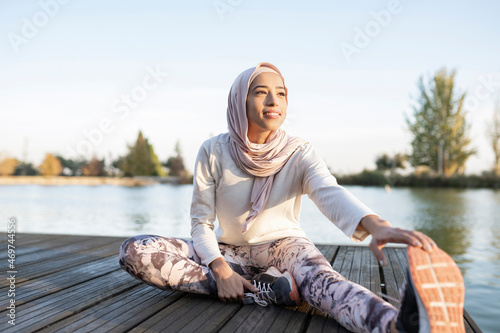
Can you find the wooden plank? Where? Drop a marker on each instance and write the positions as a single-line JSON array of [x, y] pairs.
[[63, 248], [328, 251], [58, 246], [213, 319], [119, 313], [388, 278], [253, 319], [24, 239], [52, 308], [49, 284], [125, 321], [365, 269], [192, 311], [323, 324], [375, 271], [289, 321], [345, 270], [62, 262], [470, 324], [356, 264]]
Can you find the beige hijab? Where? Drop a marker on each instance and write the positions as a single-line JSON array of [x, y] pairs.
[[260, 160]]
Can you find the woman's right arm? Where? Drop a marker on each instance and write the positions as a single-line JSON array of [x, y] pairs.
[[203, 207], [230, 285]]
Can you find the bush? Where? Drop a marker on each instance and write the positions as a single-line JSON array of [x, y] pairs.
[[377, 178]]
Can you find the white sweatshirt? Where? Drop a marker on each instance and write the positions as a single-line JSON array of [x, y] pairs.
[[222, 190]]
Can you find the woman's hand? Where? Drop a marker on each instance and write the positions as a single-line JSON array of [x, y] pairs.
[[230, 285], [382, 233]]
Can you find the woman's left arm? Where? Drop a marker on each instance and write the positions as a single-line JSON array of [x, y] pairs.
[[382, 233]]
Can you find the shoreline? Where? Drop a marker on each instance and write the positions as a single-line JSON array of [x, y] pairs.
[[87, 181]]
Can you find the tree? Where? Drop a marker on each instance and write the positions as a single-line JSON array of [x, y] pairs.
[[72, 167], [176, 163], [494, 136], [385, 162], [8, 166], [440, 130], [158, 167], [51, 166], [25, 169], [94, 168], [140, 160]]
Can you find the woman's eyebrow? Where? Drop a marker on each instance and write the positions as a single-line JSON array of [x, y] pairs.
[[277, 87]]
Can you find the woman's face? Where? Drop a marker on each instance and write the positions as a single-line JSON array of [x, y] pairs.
[[266, 106]]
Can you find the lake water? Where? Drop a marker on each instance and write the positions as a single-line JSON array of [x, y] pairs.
[[465, 223]]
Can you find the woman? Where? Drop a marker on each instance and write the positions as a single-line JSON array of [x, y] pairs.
[[251, 179]]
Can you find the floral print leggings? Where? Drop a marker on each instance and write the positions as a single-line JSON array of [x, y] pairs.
[[172, 264]]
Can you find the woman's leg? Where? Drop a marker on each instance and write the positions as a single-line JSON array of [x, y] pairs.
[[166, 263], [352, 305], [172, 263]]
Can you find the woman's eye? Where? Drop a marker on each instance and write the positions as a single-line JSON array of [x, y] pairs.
[[260, 92], [282, 94]]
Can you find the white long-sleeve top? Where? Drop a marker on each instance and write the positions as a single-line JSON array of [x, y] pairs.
[[222, 191]]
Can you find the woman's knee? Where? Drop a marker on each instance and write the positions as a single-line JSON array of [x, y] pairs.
[[129, 250]]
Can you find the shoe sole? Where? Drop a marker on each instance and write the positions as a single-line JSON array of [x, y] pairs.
[[439, 283], [294, 293]]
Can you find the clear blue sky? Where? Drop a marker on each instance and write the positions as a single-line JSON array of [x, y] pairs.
[[67, 67]]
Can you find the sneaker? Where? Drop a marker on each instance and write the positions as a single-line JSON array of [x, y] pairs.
[[275, 288], [433, 300]]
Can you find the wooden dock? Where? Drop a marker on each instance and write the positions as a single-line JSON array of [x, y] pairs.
[[75, 284]]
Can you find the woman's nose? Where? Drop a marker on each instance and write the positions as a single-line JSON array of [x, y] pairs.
[[272, 99]]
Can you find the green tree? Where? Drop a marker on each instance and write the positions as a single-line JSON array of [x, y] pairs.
[[386, 162], [154, 158], [140, 160], [8, 166], [51, 166], [494, 136], [25, 169], [440, 131], [72, 167], [175, 164]]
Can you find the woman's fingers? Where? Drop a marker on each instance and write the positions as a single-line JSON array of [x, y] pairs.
[[232, 288], [249, 286], [397, 235], [419, 239], [377, 252]]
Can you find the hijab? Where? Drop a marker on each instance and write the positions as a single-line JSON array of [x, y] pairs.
[[260, 160]]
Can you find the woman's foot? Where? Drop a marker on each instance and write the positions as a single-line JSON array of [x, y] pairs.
[[434, 295], [275, 288]]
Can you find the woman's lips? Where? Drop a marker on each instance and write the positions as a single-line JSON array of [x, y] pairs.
[[272, 114]]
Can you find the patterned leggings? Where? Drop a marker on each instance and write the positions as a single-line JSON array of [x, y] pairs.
[[172, 264]]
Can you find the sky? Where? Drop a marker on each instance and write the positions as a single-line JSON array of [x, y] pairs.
[[83, 77]]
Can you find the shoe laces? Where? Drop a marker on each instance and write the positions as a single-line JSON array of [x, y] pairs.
[[381, 294], [264, 296], [401, 291]]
